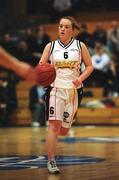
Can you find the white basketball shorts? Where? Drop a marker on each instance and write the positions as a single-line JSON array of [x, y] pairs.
[[63, 105]]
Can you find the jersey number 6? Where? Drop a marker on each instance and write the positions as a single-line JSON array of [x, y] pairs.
[[65, 55]]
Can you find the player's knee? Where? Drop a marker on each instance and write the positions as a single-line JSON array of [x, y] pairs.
[[63, 131], [55, 126]]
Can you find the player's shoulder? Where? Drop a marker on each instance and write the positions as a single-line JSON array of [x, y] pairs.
[[48, 45], [83, 45]]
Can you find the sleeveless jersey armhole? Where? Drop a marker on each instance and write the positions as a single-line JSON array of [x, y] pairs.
[[80, 48], [51, 49]]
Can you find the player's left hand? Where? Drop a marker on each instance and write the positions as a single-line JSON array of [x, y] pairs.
[[77, 82]]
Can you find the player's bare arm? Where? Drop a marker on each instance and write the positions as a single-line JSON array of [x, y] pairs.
[[88, 66], [45, 55], [87, 61]]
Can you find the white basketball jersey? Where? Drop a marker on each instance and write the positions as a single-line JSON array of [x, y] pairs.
[[67, 60]]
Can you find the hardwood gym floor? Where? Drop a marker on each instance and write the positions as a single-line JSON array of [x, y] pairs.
[[87, 153]]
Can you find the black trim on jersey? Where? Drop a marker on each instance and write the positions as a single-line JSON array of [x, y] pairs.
[[79, 47], [67, 45], [51, 47], [80, 96], [78, 44]]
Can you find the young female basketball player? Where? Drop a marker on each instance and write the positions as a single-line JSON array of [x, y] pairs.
[[66, 54]]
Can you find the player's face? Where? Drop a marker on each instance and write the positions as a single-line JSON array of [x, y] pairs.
[[65, 29]]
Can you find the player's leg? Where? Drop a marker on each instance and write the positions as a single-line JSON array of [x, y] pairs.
[[53, 131], [52, 138], [63, 131], [70, 111], [56, 108]]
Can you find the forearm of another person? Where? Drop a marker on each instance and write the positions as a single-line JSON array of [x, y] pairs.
[[10, 62], [23, 69]]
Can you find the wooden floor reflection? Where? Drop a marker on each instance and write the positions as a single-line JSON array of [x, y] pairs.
[[85, 142]]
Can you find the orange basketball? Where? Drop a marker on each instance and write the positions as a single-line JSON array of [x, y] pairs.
[[45, 74]]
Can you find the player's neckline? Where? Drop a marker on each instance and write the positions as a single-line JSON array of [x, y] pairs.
[[67, 45]]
